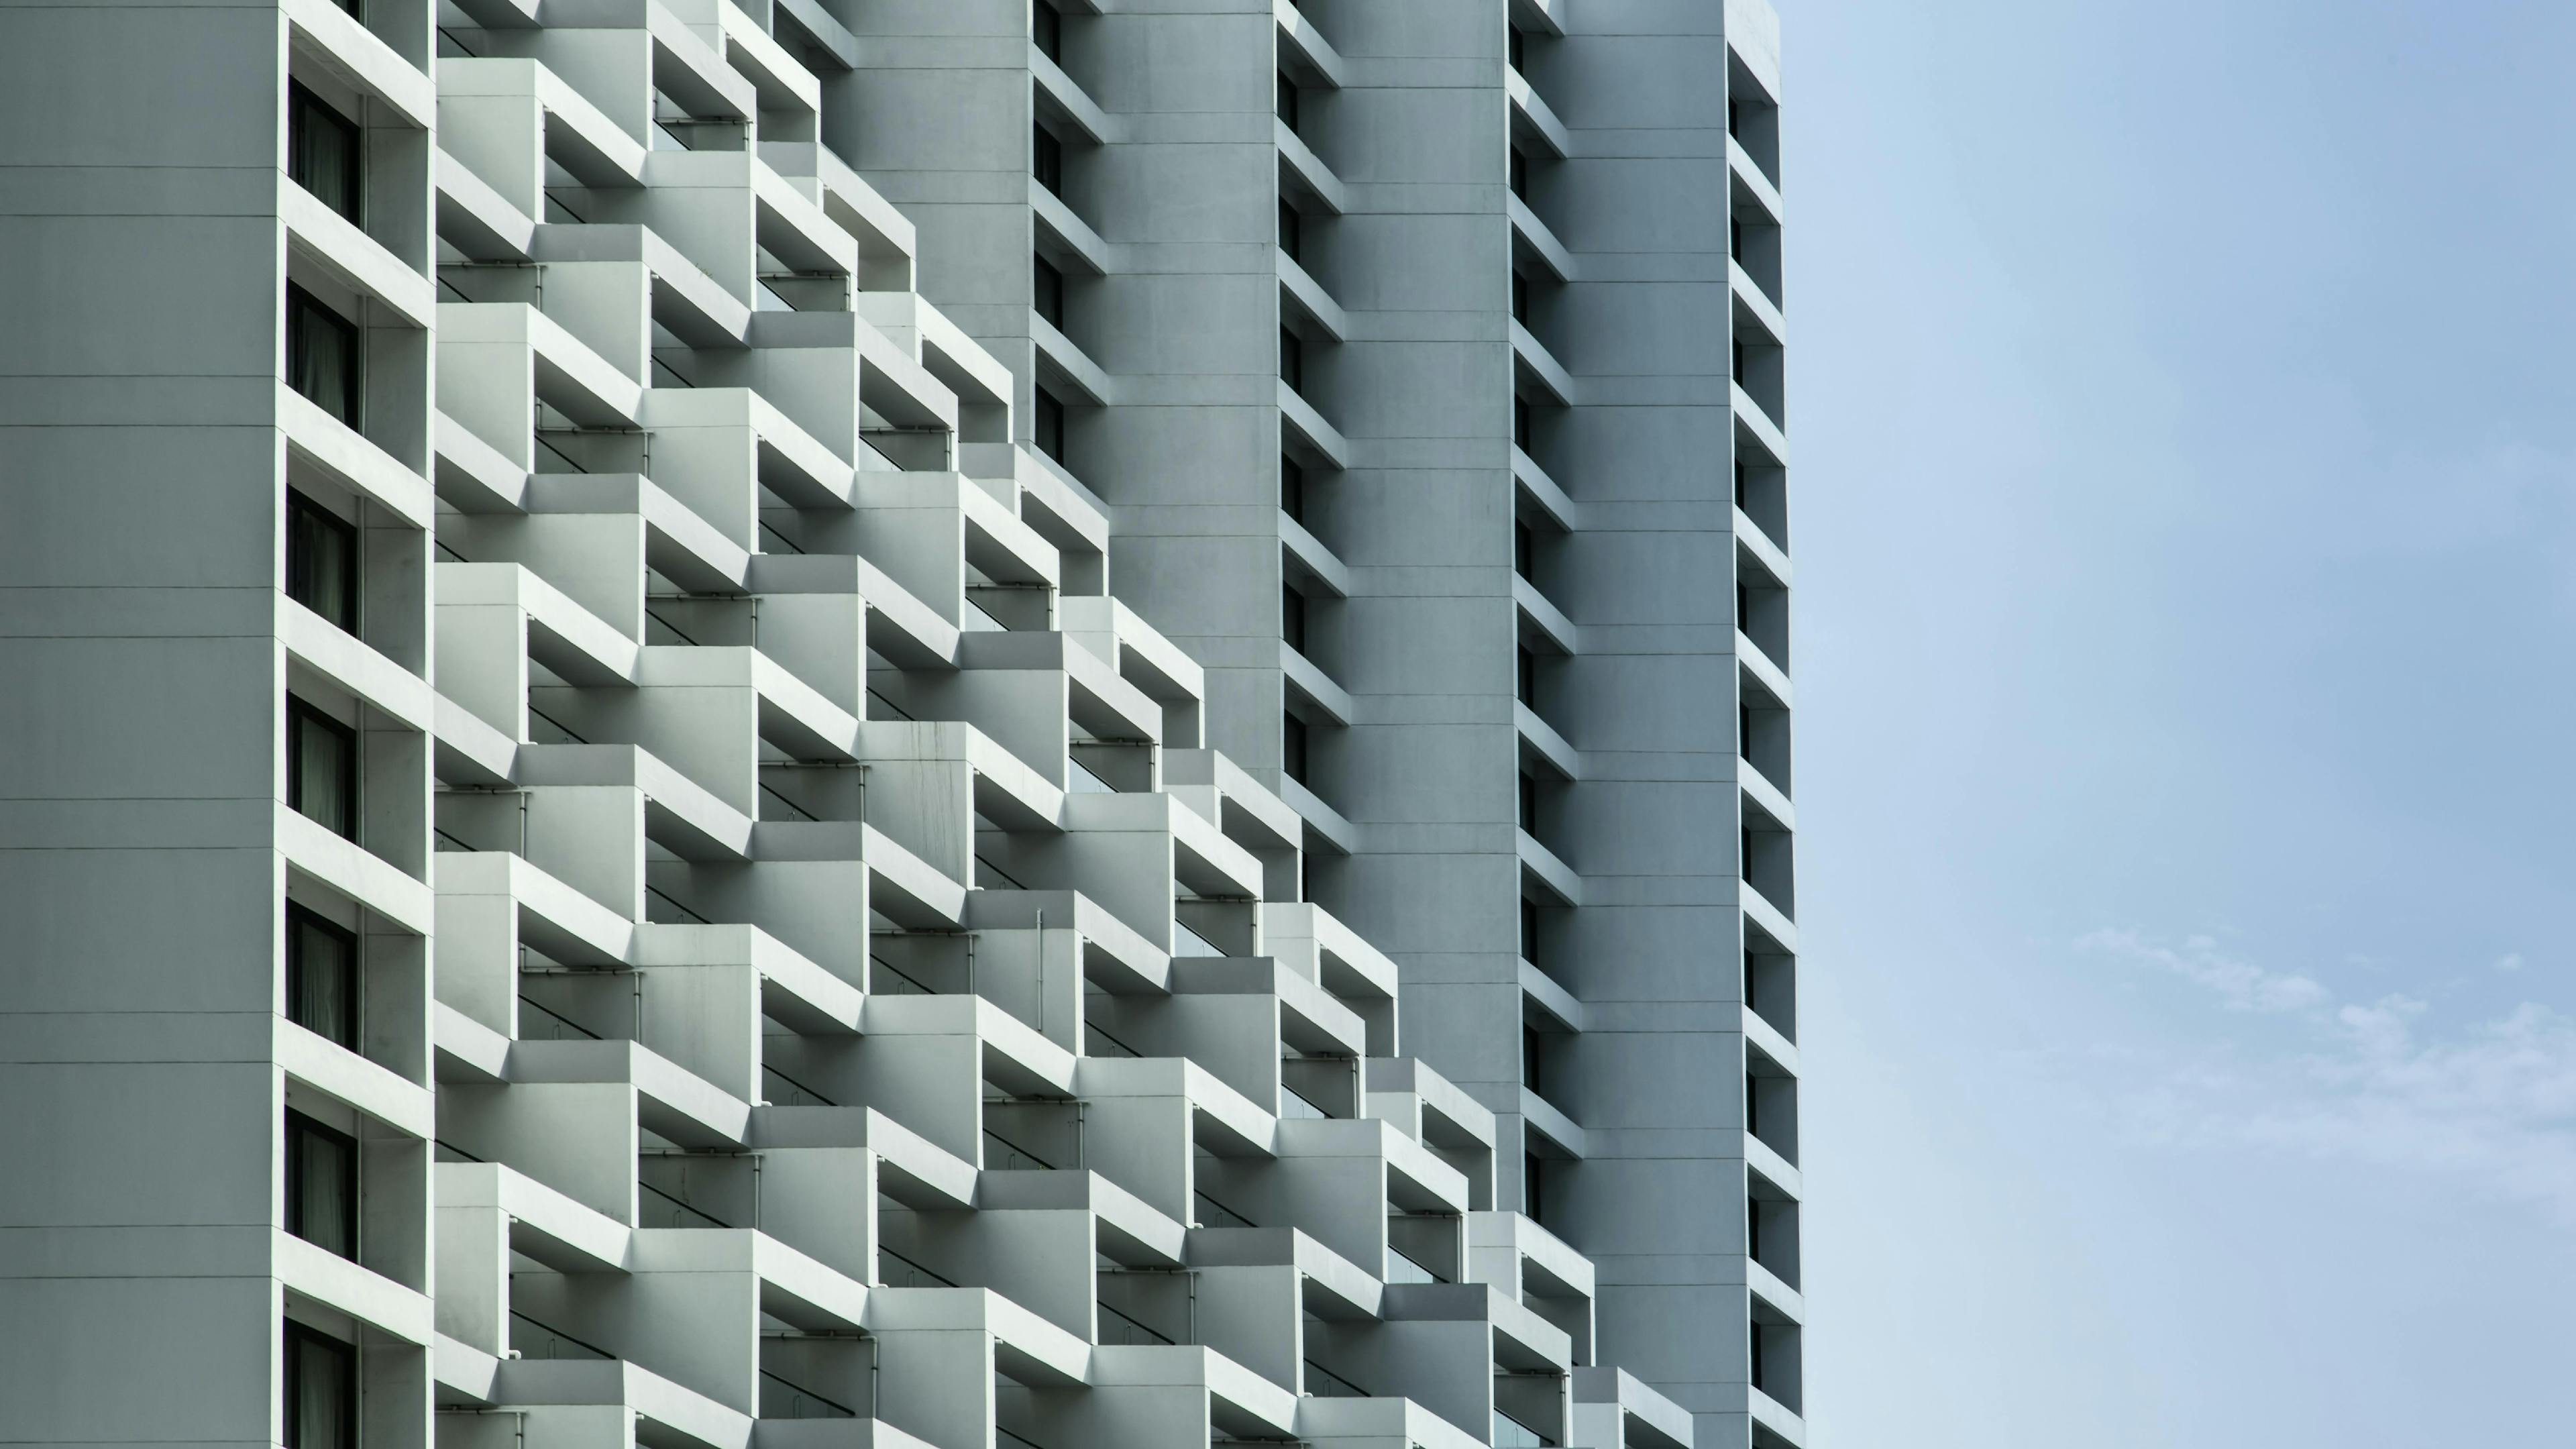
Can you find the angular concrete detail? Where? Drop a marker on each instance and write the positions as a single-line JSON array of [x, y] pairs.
[[967, 723]]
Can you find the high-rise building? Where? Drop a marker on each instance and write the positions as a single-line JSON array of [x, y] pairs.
[[787, 723]]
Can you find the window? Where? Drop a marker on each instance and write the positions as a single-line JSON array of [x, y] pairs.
[[1529, 802], [1046, 159], [321, 1185], [323, 151], [321, 1390], [321, 768], [1520, 297], [1753, 1339], [321, 976], [1515, 47], [1292, 748], [1292, 488], [321, 355], [1046, 28], [1739, 359], [1735, 238], [1291, 227], [1525, 676], [1047, 291], [1752, 1120], [1530, 1058], [1048, 429], [1519, 177], [1743, 609], [1735, 120], [1524, 549], [1752, 1228], [1530, 1200], [1292, 617], [1292, 361], [1741, 484], [1521, 423], [1743, 729], [1288, 108], [321, 561], [1529, 930]]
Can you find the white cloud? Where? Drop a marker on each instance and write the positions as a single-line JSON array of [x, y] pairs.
[[2509, 961], [2492, 1103], [2240, 986]]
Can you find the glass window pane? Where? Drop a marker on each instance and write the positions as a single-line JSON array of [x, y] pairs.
[[321, 1185], [321, 977], [321, 1391], [321, 356], [322, 151], [321, 561], [321, 767]]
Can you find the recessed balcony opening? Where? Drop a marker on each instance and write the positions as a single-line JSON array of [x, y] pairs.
[[1046, 291], [1047, 425], [1516, 48], [1762, 494], [322, 1185], [1525, 676], [322, 976], [1761, 370], [323, 356], [1292, 488], [1289, 102], [1762, 611], [325, 153], [1292, 361], [321, 768], [1046, 29], [1517, 174], [1753, 243], [1530, 943], [1767, 859], [1771, 982], [1293, 759], [1292, 617], [1772, 1346], [1762, 731], [1292, 232], [1753, 120], [1771, 1104], [1771, 1229], [1046, 158], [321, 560], [321, 1389]]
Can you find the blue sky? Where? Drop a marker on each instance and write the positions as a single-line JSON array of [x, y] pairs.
[[2185, 515]]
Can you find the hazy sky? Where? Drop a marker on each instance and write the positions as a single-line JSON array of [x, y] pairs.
[[2185, 521]]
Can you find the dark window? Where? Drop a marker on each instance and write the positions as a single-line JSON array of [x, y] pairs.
[[1046, 27], [1748, 978], [1048, 429], [1744, 730], [1292, 488], [1520, 297], [1529, 930], [1287, 101], [1515, 48], [1741, 484], [1735, 120], [1047, 291], [1292, 360], [1046, 159], [1753, 1229], [322, 151], [1735, 238], [1521, 423], [1292, 748], [321, 768], [321, 1185], [1524, 550], [1743, 609], [1529, 802], [1291, 228], [1739, 359], [1530, 1200], [321, 355], [1292, 617], [321, 561], [321, 1390], [1753, 1339], [1530, 1059], [1520, 174], [1752, 1122], [1525, 681], [321, 976], [1745, 870]]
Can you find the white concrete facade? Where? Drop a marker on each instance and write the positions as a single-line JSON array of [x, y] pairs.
[[836, 722]]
